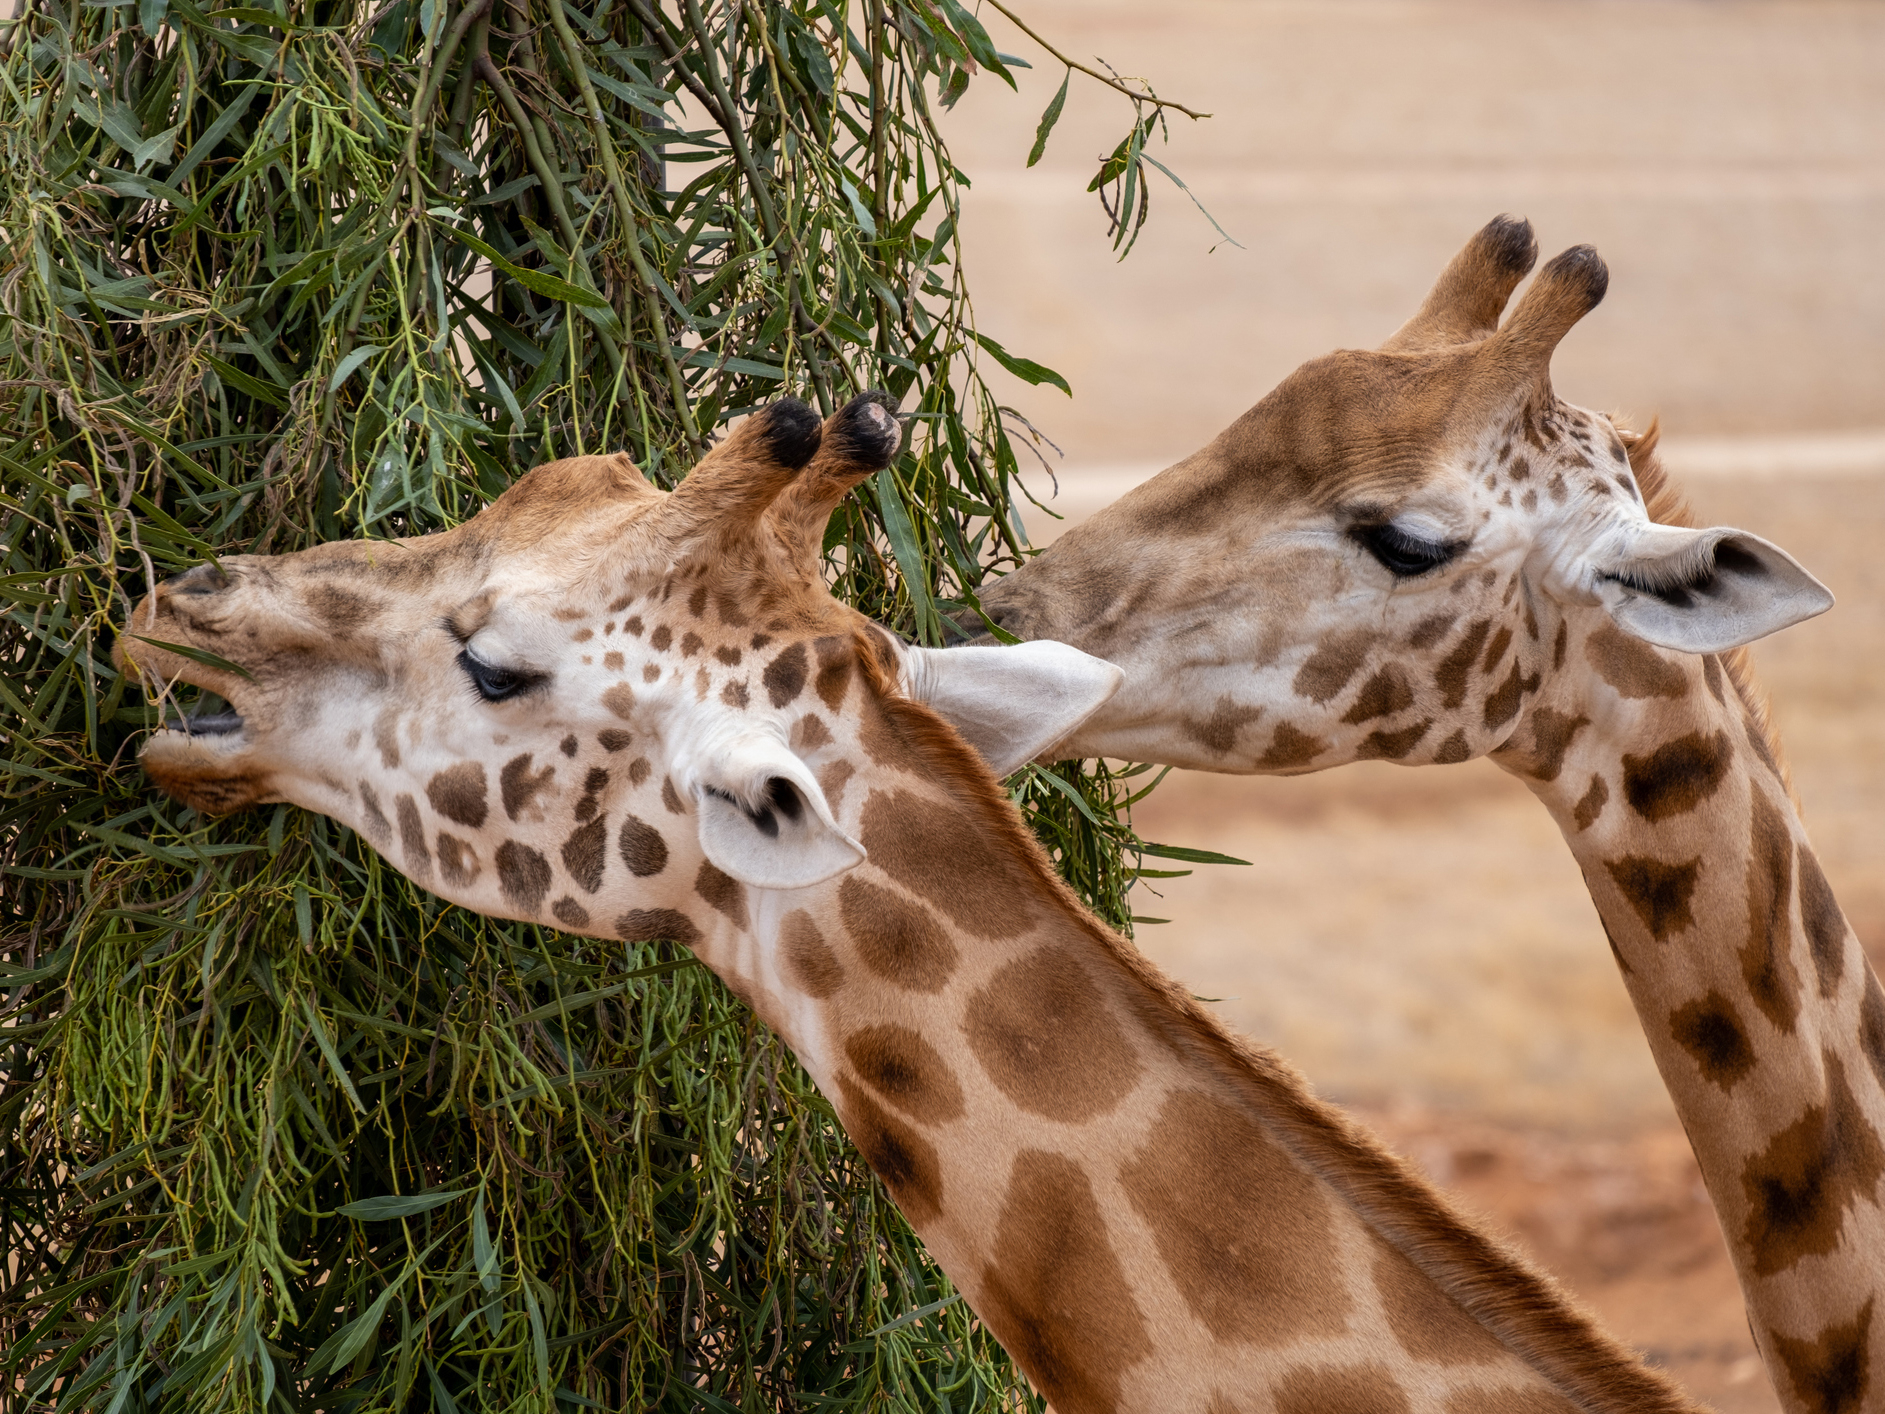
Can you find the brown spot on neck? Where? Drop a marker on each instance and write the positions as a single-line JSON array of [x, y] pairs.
[[898, 941], [1047, 1036], [1252, 1250], [723, 893], [907, 1071], [1631, 666], [1677, 776], [901, 1157], [1831, 1372], [1767, 955], [1799, 1187], [523, 874], [1058, 1298], [1659, 892], [1291, 747], [1456, 668], [1712, 1032], [784, 677], [930, 845]]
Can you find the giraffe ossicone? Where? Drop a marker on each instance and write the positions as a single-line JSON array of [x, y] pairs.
[[1420, 554], [643, 716]]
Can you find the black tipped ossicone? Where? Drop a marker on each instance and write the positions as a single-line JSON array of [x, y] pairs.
[[867, 430], [792, 432], [1511, 242], [1580, 268]]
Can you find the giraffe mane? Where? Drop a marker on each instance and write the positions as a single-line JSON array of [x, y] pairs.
[[1523, 1305], [1666, 504]]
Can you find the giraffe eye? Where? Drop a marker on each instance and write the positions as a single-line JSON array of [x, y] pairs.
[[1401, 554], [495, 684]]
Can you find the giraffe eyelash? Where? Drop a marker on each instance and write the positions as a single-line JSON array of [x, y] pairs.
[[495, 684], [1403, 555]]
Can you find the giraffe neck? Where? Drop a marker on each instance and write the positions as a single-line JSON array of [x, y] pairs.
[[1761, 1010], [1148, 1212]]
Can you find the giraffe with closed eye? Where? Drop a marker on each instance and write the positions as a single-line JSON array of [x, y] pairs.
[[1420, 554], [641, 715]]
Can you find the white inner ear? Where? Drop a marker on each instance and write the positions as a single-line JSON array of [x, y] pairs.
[[765, 822], [1706, 591], [1011, 703]]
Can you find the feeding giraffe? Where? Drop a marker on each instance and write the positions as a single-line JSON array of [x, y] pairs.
[[641, 715], [1420, 554]]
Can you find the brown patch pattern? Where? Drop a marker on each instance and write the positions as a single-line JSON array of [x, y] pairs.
[[1799, 1187], [1058, 1298], [1290, 747], [1712, 1032], [1392, 746], [784, 677], [517, 783], [1341, 1389], [1825, 923], [458, 793], [569, 913], [1382, 695], [379, 829], [907, 1071], [458, 862], [1502, 706], [645, 925], [523, 874], [1455, 670], [1429, 1324], [1552, 735], [1766, 957], [1832, 1373], [808, 961], [1453, 750], [585, 852], [902, 1158], [897, 940], [1251, 1249], [1333, 665], [1677, 776], [723, 893], [412, 838], [930, 846], [1631, 666], [1592, 805], [1219, 731], [1659, 892], [643, 849], [1047, 1036], [834, 671]]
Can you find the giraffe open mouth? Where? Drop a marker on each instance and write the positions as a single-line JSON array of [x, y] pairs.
[[207, 723]]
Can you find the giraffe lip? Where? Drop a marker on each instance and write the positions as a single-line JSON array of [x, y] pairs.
[[223, 723]]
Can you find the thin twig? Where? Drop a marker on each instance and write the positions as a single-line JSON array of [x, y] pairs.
[[1147, 97]]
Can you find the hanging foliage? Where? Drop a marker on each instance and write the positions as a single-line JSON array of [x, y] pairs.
[[278, 1129]]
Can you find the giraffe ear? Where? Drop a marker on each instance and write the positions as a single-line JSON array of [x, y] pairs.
[[764, 820], [1010, 703], [1706, 591]]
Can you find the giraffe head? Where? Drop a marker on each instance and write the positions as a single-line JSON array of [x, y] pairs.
[[1381, 559], [589, 678]]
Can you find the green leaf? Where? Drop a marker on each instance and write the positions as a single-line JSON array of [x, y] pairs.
[[200, 656], [350, 363], [389, 1206], [1189, 856], [903, 545], [246, 383], [1048, 119], [546, 285], [1025, 369]]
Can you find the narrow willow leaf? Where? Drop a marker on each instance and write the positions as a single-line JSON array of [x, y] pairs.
[[1048, 118], [382, 1209], [1025, 369], [198, 655], [1190, 856]]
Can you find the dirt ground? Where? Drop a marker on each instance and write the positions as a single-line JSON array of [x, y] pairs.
[[1728, 160]]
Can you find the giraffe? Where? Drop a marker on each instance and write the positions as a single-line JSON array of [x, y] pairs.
[[641, 715], [1419, 554]]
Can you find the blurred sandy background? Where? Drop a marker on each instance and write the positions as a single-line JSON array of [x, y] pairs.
[[1419, 941]]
